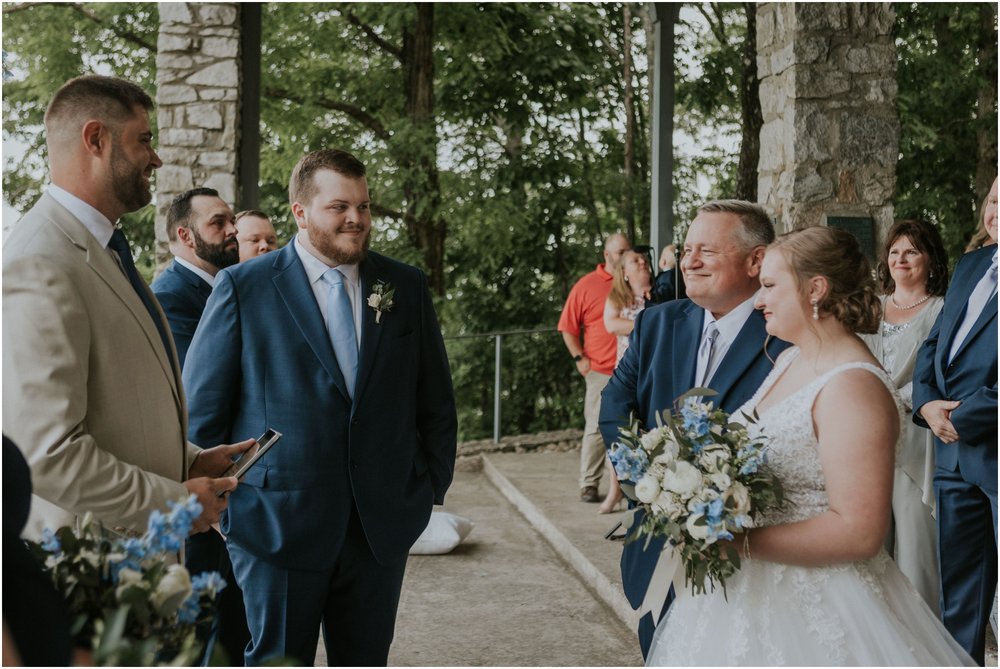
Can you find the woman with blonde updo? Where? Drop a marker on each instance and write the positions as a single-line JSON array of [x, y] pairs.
[[815, 585], [913, 273], [630, 290]]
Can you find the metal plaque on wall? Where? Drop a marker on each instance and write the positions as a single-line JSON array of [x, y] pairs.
[[863, 229]]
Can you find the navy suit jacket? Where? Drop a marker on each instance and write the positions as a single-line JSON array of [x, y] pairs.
[[970, 378], [183, 295], [657, 368], [262, 358]]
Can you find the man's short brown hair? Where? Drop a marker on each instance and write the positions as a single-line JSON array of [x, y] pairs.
[[756, 229], [302, 186], [107, 99]]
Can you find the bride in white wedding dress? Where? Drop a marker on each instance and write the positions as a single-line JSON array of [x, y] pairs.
[[816, 586]]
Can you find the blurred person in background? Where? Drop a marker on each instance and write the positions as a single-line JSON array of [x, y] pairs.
[[913, 275], [255, 234], [630, 292]]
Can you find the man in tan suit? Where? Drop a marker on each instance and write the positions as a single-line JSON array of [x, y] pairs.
[[91, 385]]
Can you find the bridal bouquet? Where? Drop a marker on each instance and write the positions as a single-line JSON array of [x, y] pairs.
[[128, 603], [699, 478]]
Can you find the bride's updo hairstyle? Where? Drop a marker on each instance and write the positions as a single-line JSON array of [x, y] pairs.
[[835, 254]]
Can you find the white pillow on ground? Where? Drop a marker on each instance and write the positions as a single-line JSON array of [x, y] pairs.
[[443, 532]]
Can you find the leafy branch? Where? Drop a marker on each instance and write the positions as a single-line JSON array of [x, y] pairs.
[[356, 113], [78, 7], [353, 19]]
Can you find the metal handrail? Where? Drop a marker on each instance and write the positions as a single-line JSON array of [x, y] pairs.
[[497, 359]]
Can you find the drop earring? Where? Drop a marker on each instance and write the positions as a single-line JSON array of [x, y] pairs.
[[815, 311]]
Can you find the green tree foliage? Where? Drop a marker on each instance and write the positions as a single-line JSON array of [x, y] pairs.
[[47, 43], [947, 57]]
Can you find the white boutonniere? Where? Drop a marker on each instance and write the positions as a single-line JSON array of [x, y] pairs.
[[381, 298]]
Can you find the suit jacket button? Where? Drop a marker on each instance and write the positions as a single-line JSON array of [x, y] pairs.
[[354, 421]]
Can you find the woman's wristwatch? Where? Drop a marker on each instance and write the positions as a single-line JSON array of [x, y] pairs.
[[578, 357]]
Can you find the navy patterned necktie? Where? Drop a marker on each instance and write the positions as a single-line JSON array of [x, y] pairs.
[[119, 245]]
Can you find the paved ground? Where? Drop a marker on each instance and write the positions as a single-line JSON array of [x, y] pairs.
[[535, 584]]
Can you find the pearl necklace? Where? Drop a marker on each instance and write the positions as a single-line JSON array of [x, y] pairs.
[[892, 299]]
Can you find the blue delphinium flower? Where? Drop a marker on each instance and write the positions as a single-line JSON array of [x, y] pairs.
[[630, 464], [160, 536], [188, 612], [714, 521], [50, 542], [209, 582], [183, 515]]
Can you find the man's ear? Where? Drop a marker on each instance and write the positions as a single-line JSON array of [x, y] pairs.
[[95, 136], [185, 237], [299, 212], [754, 261]]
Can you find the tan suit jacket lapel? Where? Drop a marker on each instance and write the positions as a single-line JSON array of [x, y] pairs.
[[99, 259]]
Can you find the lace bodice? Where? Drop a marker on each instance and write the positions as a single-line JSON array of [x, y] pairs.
[[793, 454]]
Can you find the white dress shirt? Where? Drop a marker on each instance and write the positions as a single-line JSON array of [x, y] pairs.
[[315, 268], [729, 328], [96, 223]]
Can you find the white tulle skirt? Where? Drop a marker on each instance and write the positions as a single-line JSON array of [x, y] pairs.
[[860, 614]]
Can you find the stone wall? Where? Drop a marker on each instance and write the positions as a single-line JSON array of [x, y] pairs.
[[198, 96], [830, 139]]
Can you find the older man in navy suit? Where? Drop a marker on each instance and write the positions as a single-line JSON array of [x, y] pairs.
[[715, 338], [201, 228], [955, 395], [340, 350]]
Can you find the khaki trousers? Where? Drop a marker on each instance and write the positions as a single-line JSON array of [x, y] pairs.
[[592, 452]]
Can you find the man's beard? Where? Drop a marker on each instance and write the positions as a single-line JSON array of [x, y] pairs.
[[217, 254], [127, 181], [325, 243]]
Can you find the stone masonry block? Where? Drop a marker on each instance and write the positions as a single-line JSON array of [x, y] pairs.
[[216, 14], [820, 16], [226, 159], [220, 47], [871, 58], [167, 43], [173, 95], [811, 187], [772, 146], [222, 74], [866, 139], [871, 19], [811, 48], [819, 82], [814, 135], [212, 93], [174, 179], [174, 12], [207, 116], [765, 26], [182, 137], [782, 59], [225, 183], [773, 96]]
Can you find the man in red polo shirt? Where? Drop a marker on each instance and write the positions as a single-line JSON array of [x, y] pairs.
[[583, 317]]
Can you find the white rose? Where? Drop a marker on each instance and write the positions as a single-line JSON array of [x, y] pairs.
[[697, 532], [647, 489], [684, 480], [373, 300], [668, 504], [721, 480], [741, 496], [651, 439], [172, 590], [128, 578]]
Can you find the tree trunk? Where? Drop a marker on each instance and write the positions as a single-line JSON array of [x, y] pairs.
[[418, 152], [752, 119], [986, 109], [628, 195]]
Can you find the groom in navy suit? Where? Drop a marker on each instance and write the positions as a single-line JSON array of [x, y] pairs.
[[955, 395], [715, 338], [340, 350]]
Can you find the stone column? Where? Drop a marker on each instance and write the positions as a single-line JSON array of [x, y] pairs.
[[830, 140], [198, 96]]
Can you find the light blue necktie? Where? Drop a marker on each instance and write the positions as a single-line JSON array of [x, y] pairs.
[[708, 351], [340, 325]]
